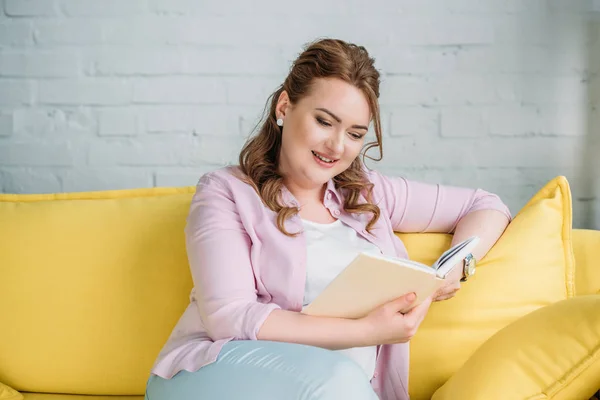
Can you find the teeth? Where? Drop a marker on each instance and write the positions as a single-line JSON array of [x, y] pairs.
[[322, 158]]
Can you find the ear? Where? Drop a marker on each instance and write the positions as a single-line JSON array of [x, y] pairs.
[[283, 103]]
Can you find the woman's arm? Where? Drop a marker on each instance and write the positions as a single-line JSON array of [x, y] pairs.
[[218, 249], [385, 325], [488, 225], [422, 207]]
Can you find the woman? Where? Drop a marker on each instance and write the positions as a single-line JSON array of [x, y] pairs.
[[265, 237]]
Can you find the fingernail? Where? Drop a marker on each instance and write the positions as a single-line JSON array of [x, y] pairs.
[[411, 296]]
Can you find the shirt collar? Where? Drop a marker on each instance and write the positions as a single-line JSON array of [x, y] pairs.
[[331, 193]]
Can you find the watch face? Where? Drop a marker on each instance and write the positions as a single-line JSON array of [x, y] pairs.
[[469, 265], [471, 268]]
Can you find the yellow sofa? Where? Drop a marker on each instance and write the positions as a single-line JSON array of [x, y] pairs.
[[91, 285]]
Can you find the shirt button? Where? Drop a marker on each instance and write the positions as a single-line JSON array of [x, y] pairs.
[[336, 213]]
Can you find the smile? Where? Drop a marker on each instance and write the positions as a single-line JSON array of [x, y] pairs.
[[324, 159]]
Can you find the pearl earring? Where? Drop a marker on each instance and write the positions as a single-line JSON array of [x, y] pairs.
[[280, 122]]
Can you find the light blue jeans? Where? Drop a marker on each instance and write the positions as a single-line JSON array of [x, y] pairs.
[[263, 370]]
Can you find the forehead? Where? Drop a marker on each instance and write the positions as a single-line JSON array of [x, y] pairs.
[[341, 98]]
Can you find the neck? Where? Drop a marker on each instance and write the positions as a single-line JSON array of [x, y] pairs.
[[305, 194]]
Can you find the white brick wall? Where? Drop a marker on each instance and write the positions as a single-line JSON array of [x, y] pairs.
[[500, 94]]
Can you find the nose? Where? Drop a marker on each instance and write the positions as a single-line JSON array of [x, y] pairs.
[[335, 143]]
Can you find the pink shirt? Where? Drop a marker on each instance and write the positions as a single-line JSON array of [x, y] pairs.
[[243, 267]]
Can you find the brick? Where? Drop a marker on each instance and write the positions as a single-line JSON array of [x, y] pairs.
[[225, 30], [558, 89], [563, 120], [236, 60], [539, 28], [488, 152], [192, 7], [464, 89], [35, 153], [503, 58], [72, 31], [179, 90], [30, 8], [105, 8], [464, 122], [144, 151], [28, 181], [442, 90], [310, 7], [406, 91], [442, 31], [118, 122], [411, 60], [15, 92], [177, 177], [135, 62], [97, 91], [255, 91], [39, 64], [490, 7], [6, 124], [514, 120], [54, 122], [198, 120], [92, 179], [414, 121], [16, 33], [218, 150]]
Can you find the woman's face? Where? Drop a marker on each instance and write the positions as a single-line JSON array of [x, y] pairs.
[[323, 133]]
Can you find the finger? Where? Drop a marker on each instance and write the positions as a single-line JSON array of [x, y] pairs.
[[417, 314], [446, 296], [402, 303], [421, 308]]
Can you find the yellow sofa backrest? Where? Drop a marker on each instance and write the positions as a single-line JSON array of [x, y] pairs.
[[91, 285]]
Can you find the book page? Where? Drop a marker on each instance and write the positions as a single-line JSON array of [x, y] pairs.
[[370, 281], [452, 256]]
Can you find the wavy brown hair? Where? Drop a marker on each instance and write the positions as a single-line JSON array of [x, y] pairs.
[[259, 158]]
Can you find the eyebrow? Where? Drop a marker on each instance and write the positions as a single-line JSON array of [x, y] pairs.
[[338, 119]]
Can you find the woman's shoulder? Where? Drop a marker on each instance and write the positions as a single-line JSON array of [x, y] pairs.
[[230, 178], [222, 175]]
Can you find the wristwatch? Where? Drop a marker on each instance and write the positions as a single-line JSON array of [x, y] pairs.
[[468, 267]]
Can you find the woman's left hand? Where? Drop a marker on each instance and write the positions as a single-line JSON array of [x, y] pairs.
[[452, 284]]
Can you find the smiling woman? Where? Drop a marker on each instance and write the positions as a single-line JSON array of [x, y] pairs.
[[266, 237]]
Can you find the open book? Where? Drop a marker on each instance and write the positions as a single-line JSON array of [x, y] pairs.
[[371, 280]]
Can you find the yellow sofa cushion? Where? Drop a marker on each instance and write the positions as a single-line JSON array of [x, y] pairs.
[[44, 396], [8, 393], [531, 266], [91, 285], [552, 353], [586, 246]]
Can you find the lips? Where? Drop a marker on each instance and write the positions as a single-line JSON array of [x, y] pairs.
[[324, 157]]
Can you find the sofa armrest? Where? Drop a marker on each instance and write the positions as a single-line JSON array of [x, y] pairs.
[[551, 353], [8, 393], [586, 246]]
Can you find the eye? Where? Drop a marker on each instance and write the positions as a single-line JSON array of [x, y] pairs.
[[323, 122], [356, 136]]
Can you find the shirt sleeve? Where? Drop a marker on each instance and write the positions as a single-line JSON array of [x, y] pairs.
[[415, 207], [218, 250]]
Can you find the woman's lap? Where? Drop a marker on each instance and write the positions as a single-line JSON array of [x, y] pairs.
[[253, 370]]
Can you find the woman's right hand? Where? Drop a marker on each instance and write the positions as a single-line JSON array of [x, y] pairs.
[[390, 323]]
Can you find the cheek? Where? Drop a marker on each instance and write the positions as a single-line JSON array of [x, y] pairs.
[[353, 149]]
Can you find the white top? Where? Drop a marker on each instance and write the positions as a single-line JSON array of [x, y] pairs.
[[330, 248]]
